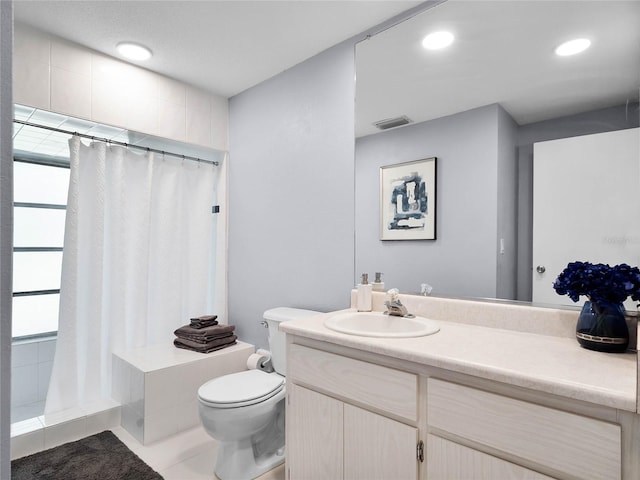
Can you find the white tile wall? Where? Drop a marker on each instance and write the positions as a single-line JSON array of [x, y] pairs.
[[31, 60], [46, 350], [70, 93], [24, 385], [30, 373], [71, 57], [24, 354], [32, 83], [27, 443], [65, 432], [172, 120], [53, 74]]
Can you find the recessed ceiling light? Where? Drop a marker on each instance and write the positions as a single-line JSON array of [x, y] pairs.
[[437, 40], [133, 51], [572, 47]]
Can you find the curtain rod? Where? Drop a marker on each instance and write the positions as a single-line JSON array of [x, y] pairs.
[[115, 142]]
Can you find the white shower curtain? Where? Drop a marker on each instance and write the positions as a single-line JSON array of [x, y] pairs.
[[137, 262]]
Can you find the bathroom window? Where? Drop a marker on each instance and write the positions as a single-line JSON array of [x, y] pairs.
[[40, 195]]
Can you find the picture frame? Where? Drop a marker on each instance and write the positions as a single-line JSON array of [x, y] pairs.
[[408, 200]]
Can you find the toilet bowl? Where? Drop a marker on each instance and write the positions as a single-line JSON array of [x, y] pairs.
[[245, 411]]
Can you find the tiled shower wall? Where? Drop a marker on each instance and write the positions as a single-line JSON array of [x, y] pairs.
[[31, 363]]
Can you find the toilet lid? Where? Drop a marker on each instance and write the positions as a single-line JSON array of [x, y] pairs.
[[240, 389]]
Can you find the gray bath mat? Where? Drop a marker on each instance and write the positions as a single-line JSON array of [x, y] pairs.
[[98, 457]]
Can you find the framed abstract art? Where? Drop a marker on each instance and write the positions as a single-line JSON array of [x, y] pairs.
[[408, 200]]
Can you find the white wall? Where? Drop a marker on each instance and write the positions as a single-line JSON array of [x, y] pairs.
[[53, 74], [291, 191], [462, 260], [6, 232]]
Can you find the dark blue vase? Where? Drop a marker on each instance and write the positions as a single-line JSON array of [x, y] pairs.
[[602, 327]]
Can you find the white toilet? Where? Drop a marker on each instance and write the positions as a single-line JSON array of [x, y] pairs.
[[245, 411]]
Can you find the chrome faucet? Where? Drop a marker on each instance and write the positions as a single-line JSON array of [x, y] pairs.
[[395, 307]]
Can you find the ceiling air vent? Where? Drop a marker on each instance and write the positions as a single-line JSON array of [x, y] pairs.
[[392, 122]]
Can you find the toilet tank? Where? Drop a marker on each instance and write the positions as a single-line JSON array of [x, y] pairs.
[[277, 339]]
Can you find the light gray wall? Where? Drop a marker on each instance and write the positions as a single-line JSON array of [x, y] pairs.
[[507, 234], [597, 121], [291, 188], [6, 231], [462, 260], [291, 192]]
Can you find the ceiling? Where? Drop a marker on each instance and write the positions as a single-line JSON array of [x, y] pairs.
[[223, 47], [503, 53]]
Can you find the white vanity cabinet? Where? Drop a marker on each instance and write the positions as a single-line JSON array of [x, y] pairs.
[[491, 395], [473, 433], [349, 419]]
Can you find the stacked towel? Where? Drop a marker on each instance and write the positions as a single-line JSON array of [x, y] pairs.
[[205, 339], [204, 321]]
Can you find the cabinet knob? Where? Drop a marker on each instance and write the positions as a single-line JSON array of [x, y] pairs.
[[541, 269]]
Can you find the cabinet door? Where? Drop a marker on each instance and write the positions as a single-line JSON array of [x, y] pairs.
[[378, 448], [450, 461], [314, 435]]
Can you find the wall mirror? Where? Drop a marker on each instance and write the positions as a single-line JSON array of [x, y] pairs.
[[481, 106]]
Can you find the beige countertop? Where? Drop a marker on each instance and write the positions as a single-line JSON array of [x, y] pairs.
[[551, 364]]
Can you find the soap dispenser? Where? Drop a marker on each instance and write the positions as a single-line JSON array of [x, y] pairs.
[[378, 284], [363, 298]]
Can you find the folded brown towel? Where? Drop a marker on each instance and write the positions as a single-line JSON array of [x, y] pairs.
[[203, 318], [215, 330], [203, 324], [204, 321], [202, 340], [207, 347]]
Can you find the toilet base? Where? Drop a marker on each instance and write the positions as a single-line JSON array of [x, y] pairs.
[[248, 458], [237, 461]]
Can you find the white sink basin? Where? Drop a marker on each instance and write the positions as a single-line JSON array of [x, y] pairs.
[[376, 324]]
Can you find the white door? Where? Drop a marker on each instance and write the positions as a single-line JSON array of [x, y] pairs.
[[586, 205]]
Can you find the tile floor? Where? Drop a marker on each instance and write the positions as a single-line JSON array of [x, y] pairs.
[[189, 455]]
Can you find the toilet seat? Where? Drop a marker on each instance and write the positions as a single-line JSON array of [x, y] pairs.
[[240, 389]]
